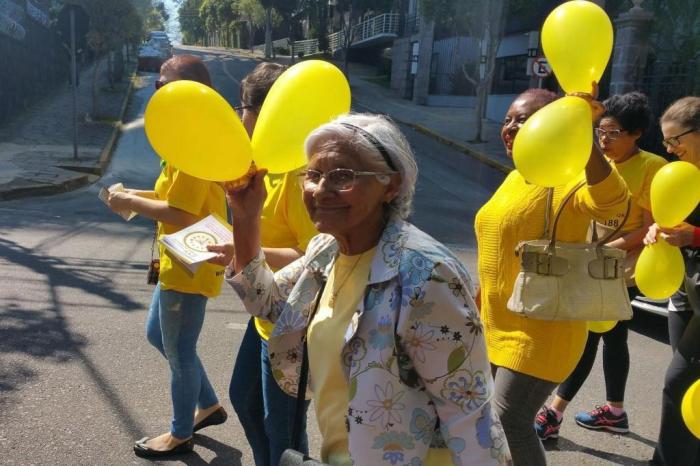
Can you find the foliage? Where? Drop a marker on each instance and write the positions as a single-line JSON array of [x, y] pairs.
[[677, 26]]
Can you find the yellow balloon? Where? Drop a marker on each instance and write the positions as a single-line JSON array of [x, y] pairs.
[[675, 192], [554, 144], [304, 97], [193, 128], [659, 271], [577, 39], [602, 326], [690, 408]]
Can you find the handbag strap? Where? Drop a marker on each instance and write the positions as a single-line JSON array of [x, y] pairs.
[[569, 196], [303, 380]]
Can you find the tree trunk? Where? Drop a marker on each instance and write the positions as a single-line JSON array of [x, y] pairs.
[[268, 33], [250, 34], [110, 69], [481, 95], [290, 44]]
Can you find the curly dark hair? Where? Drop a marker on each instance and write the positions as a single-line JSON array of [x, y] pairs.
[[631, 111]]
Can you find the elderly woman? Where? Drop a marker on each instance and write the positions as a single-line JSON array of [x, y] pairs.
[[179, 200], [395, 344], [680, 125], [625, 119], [531, 357]]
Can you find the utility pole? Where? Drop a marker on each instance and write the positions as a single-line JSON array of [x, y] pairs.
[[74, 82]]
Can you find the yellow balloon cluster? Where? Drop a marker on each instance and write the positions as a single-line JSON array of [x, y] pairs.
[[577, 39], [192, 127], [675, 192], [554, 144], [690, 409]]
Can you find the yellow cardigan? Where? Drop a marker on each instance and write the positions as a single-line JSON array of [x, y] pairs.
[[544, 349]]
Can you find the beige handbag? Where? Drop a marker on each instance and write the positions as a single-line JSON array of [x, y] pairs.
[[570, 281], [630, 259]]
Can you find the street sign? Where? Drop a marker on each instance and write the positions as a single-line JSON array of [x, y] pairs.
[[541, 67]]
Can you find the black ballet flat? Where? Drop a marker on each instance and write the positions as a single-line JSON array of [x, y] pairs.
[[214, 419], [144, 451]]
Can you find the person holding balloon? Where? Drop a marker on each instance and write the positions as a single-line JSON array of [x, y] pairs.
[[679, 431], [531, 357], [264, 410], [625, 119], [177, 309], [386, 315]]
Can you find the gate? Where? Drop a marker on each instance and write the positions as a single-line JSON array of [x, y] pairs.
[[664, 82]]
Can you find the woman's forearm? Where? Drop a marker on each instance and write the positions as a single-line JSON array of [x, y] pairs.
[[246, 237], [278, 258], [160, 211], [597, 168]]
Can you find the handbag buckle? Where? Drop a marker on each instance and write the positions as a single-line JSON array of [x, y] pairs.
[[543, 263], [605, 268]]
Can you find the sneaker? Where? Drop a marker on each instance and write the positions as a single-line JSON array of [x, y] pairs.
[[546, 424], [602, 418]]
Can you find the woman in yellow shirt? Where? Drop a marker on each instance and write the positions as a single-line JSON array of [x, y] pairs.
[[530, 357], [179, 200], [624, 121], [264, 410]]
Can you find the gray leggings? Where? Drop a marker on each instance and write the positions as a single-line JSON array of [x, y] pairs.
[[517, 399]]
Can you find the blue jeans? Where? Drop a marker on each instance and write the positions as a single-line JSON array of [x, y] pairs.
[[264, 410], [173, 325]]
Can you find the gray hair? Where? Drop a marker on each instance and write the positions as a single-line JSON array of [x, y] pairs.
[[388, 135]]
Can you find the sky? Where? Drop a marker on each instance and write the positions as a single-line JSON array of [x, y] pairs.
[[173, 26]]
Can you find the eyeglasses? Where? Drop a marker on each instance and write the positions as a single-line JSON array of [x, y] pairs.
[[611, 134], [674, 141], [160, 83], [340, 179]]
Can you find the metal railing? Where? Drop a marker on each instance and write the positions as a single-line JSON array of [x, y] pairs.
[[386, 23], [307, 47]]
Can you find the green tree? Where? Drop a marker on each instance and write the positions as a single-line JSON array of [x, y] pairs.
[[253, 13], [484, 21], [109, 30], [191, 23], [677, 25]]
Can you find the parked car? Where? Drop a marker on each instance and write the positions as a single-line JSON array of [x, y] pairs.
[[655, 306], [150, 58]]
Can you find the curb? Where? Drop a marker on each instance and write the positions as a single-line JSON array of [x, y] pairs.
[[83, 176], [108, 150], [480, 156]]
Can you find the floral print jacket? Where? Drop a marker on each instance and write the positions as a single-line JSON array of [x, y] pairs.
[[414, 353]]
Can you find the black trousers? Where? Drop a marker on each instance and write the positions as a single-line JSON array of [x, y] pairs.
[[677, 446], [616, 362]]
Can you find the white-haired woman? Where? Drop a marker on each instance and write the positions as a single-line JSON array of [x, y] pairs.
[[397, 359]]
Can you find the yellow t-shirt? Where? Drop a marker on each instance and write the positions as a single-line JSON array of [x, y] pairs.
[[637, 171], [284, 223], [326, 333], [200, 198]]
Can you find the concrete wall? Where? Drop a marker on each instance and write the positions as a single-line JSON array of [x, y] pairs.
[[498, 106]]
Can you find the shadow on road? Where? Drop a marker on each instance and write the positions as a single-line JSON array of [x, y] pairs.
[[564, 444], [225, 454], [46, 334]]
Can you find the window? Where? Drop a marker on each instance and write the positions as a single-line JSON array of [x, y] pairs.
[[510, 76]]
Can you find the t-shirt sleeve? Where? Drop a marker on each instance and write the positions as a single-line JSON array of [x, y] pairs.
[[652, 166], [298, 219], [188, 193]]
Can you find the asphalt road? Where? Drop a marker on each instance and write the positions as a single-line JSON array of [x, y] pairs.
[[79, 382]]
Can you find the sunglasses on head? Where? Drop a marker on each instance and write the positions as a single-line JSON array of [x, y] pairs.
[[160, 83]]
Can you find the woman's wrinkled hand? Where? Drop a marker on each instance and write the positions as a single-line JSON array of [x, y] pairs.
[[225, 254], [679, 236], [246, 201]]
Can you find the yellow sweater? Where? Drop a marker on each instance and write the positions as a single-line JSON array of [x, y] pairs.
[[544, 349]]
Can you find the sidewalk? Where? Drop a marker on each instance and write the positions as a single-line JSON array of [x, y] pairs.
[[36, 148]]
